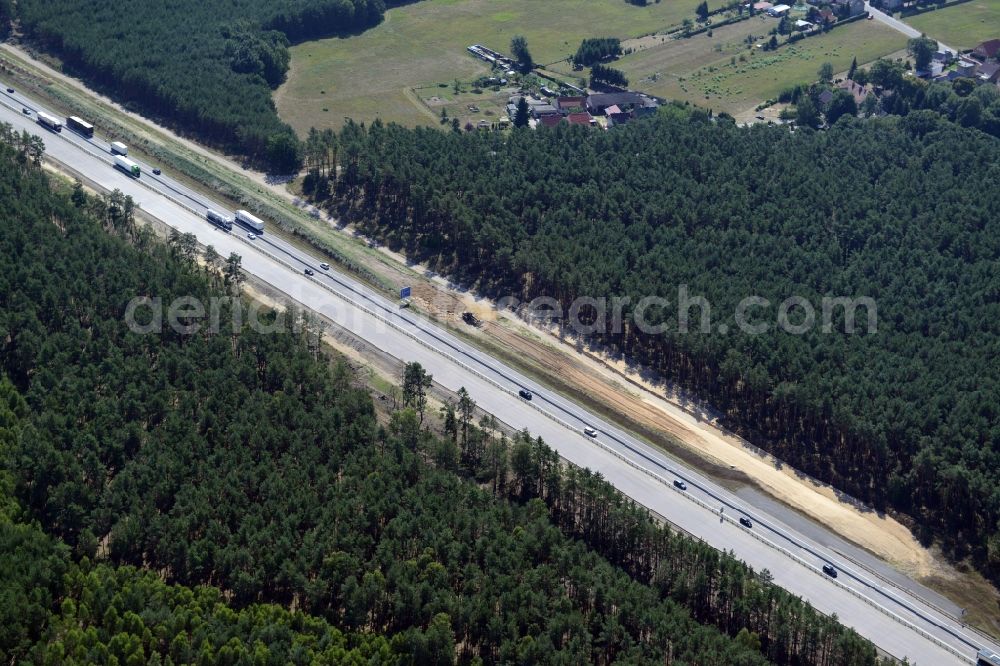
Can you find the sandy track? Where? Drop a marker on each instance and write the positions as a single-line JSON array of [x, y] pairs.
[[649, 408], [690, 427]]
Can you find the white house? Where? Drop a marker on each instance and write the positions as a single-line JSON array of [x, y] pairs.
[[779, 10]]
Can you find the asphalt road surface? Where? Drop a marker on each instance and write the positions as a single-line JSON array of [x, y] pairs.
[[899, 26], [898, 621]]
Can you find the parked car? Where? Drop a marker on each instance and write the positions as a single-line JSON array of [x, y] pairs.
[[309, 271], [680, 484], [746, 522], [524, 393], [325, 266], [252, 236], [589, 432], [830, 570]]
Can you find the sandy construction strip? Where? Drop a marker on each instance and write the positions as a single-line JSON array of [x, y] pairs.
[[623, 391], [694, 427]]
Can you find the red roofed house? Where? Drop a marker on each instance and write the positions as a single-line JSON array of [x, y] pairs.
[[580, 119], [986, 50], [564, 104], [550, 120]]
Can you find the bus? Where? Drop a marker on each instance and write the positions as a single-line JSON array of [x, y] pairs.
[[254, 223], [219, 220], [80, 126], [45, 120]]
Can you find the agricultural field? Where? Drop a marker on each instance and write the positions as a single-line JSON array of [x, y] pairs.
[[725, 73], [389, 71], [961, 27]]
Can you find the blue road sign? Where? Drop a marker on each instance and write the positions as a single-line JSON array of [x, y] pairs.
[[404, 292]]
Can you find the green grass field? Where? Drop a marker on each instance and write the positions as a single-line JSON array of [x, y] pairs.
[[372, 75], [963, 26], [702, 69], [402, 70]]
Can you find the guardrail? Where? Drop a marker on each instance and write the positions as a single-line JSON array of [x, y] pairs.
[[633, 464], [814, 569], [465, 366]]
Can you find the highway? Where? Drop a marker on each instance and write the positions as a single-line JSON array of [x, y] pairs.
[[897, 621]]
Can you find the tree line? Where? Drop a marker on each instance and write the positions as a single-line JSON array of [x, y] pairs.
[[963, 101], [584, 506], [595, 50], [206, 68], [245, 474], [602, 74], [897, 209]]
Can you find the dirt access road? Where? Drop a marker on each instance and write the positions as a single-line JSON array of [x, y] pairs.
[[647, 407]]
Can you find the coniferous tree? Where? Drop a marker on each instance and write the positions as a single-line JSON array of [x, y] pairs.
[[519, 49]]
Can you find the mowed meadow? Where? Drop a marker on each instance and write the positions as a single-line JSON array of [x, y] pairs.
[[724, 73], [961, 27], [373, 74]]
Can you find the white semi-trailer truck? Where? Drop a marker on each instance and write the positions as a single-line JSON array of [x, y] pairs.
[[250, 221], [118, 148], [50, 122], [127, 165]]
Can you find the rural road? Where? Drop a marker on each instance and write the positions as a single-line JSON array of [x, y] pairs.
[[898, 25], [899, 622]]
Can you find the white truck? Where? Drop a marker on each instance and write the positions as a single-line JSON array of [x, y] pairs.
[[118, 148], [45, 120], [127, 165], [254, 223]]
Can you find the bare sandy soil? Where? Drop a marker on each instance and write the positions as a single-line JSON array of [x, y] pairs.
[[625, 394], [658, 408]]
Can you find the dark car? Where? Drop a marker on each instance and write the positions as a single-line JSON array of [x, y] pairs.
[[524, 393], [745, 522], [10, 90], [157, 171], [309, 271], [830, 570], [680, 484]]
